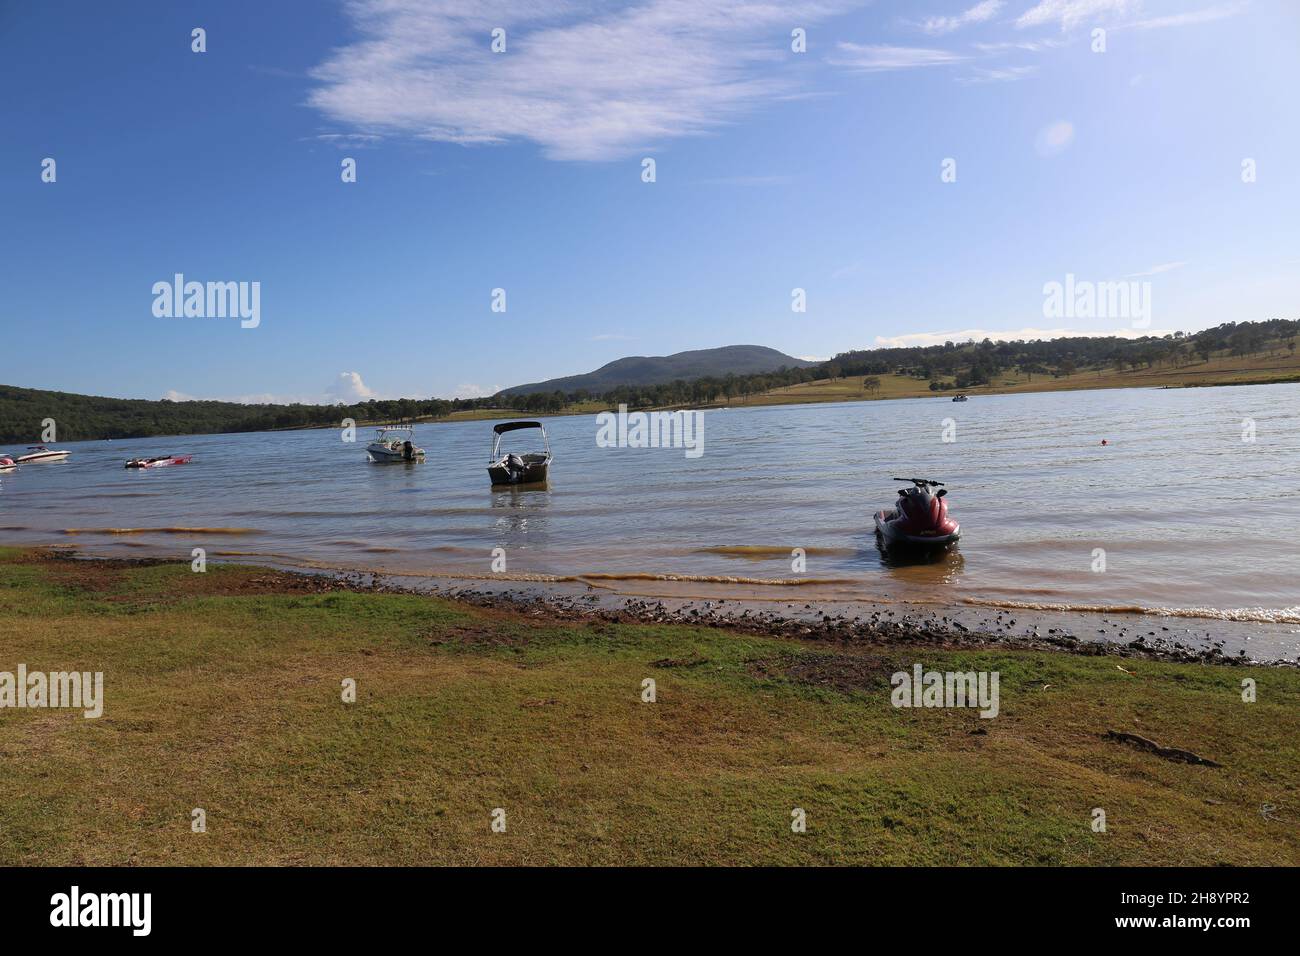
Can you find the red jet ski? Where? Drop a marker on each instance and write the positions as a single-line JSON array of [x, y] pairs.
[[161, 461], [919, 518]]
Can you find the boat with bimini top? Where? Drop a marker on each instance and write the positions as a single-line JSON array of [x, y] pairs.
[[529, 468]]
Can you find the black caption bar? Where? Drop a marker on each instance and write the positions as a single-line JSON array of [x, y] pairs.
[[137, 906]]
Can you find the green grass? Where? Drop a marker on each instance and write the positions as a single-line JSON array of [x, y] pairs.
[[223, 692], [1220, 369]]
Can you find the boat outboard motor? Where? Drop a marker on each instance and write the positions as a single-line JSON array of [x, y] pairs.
[[515, 465]]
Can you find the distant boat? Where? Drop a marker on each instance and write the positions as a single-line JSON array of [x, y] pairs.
[[7, 463], [41, 453], [528, 469], [393, 443], [959, 398], [162, 461]]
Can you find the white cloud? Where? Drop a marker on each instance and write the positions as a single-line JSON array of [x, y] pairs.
[[475, 391], [271, 398], [1054, 138], [1156, 270], [347, 140], [813, 358], [261, 398], [1029, 335], [1070, 13], [582, 82], [877, 58], [1030, 46], [1207, 15], [985, 10], [1002, 74], [349, 388]]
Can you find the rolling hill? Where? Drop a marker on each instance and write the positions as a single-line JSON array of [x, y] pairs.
[[638, 370]]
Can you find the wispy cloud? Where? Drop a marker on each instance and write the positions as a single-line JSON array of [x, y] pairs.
[[348, 388], [1156, 270], [581, 82], [1070, 13], [1189, 18], [475, 391], [1011, 335], [346, 140], [877, 58], [1003, 74], [985, 10], [1010, 46]]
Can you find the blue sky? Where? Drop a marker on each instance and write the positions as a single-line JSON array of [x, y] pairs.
[[522, 170]]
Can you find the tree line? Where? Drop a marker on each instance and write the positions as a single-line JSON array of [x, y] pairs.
[[947, 366]]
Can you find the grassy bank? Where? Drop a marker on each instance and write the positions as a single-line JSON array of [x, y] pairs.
[[222, 692], [1219, 370]]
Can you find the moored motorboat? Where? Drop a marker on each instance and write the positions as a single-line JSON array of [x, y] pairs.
[[7, 463], [39, 453], [162, 461], [960, 398], [393, 443], [530, 468]]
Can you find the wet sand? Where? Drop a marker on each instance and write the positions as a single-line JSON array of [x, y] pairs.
[[848, 622], [1132, 635]]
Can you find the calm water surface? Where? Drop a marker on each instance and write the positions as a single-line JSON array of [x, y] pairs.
[[1190, 516]]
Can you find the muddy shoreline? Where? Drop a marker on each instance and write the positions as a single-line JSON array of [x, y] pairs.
[[839, 623]]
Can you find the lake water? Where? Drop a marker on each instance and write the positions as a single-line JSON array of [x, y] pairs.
[[1191, 517]]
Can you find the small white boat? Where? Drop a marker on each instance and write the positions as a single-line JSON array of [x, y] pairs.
[[394, 444], [41, 453], [7, 463]]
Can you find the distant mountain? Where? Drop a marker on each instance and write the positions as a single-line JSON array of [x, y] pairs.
[[661, 369]]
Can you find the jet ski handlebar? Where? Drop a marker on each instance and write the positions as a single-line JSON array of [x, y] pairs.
[[919, 482]]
